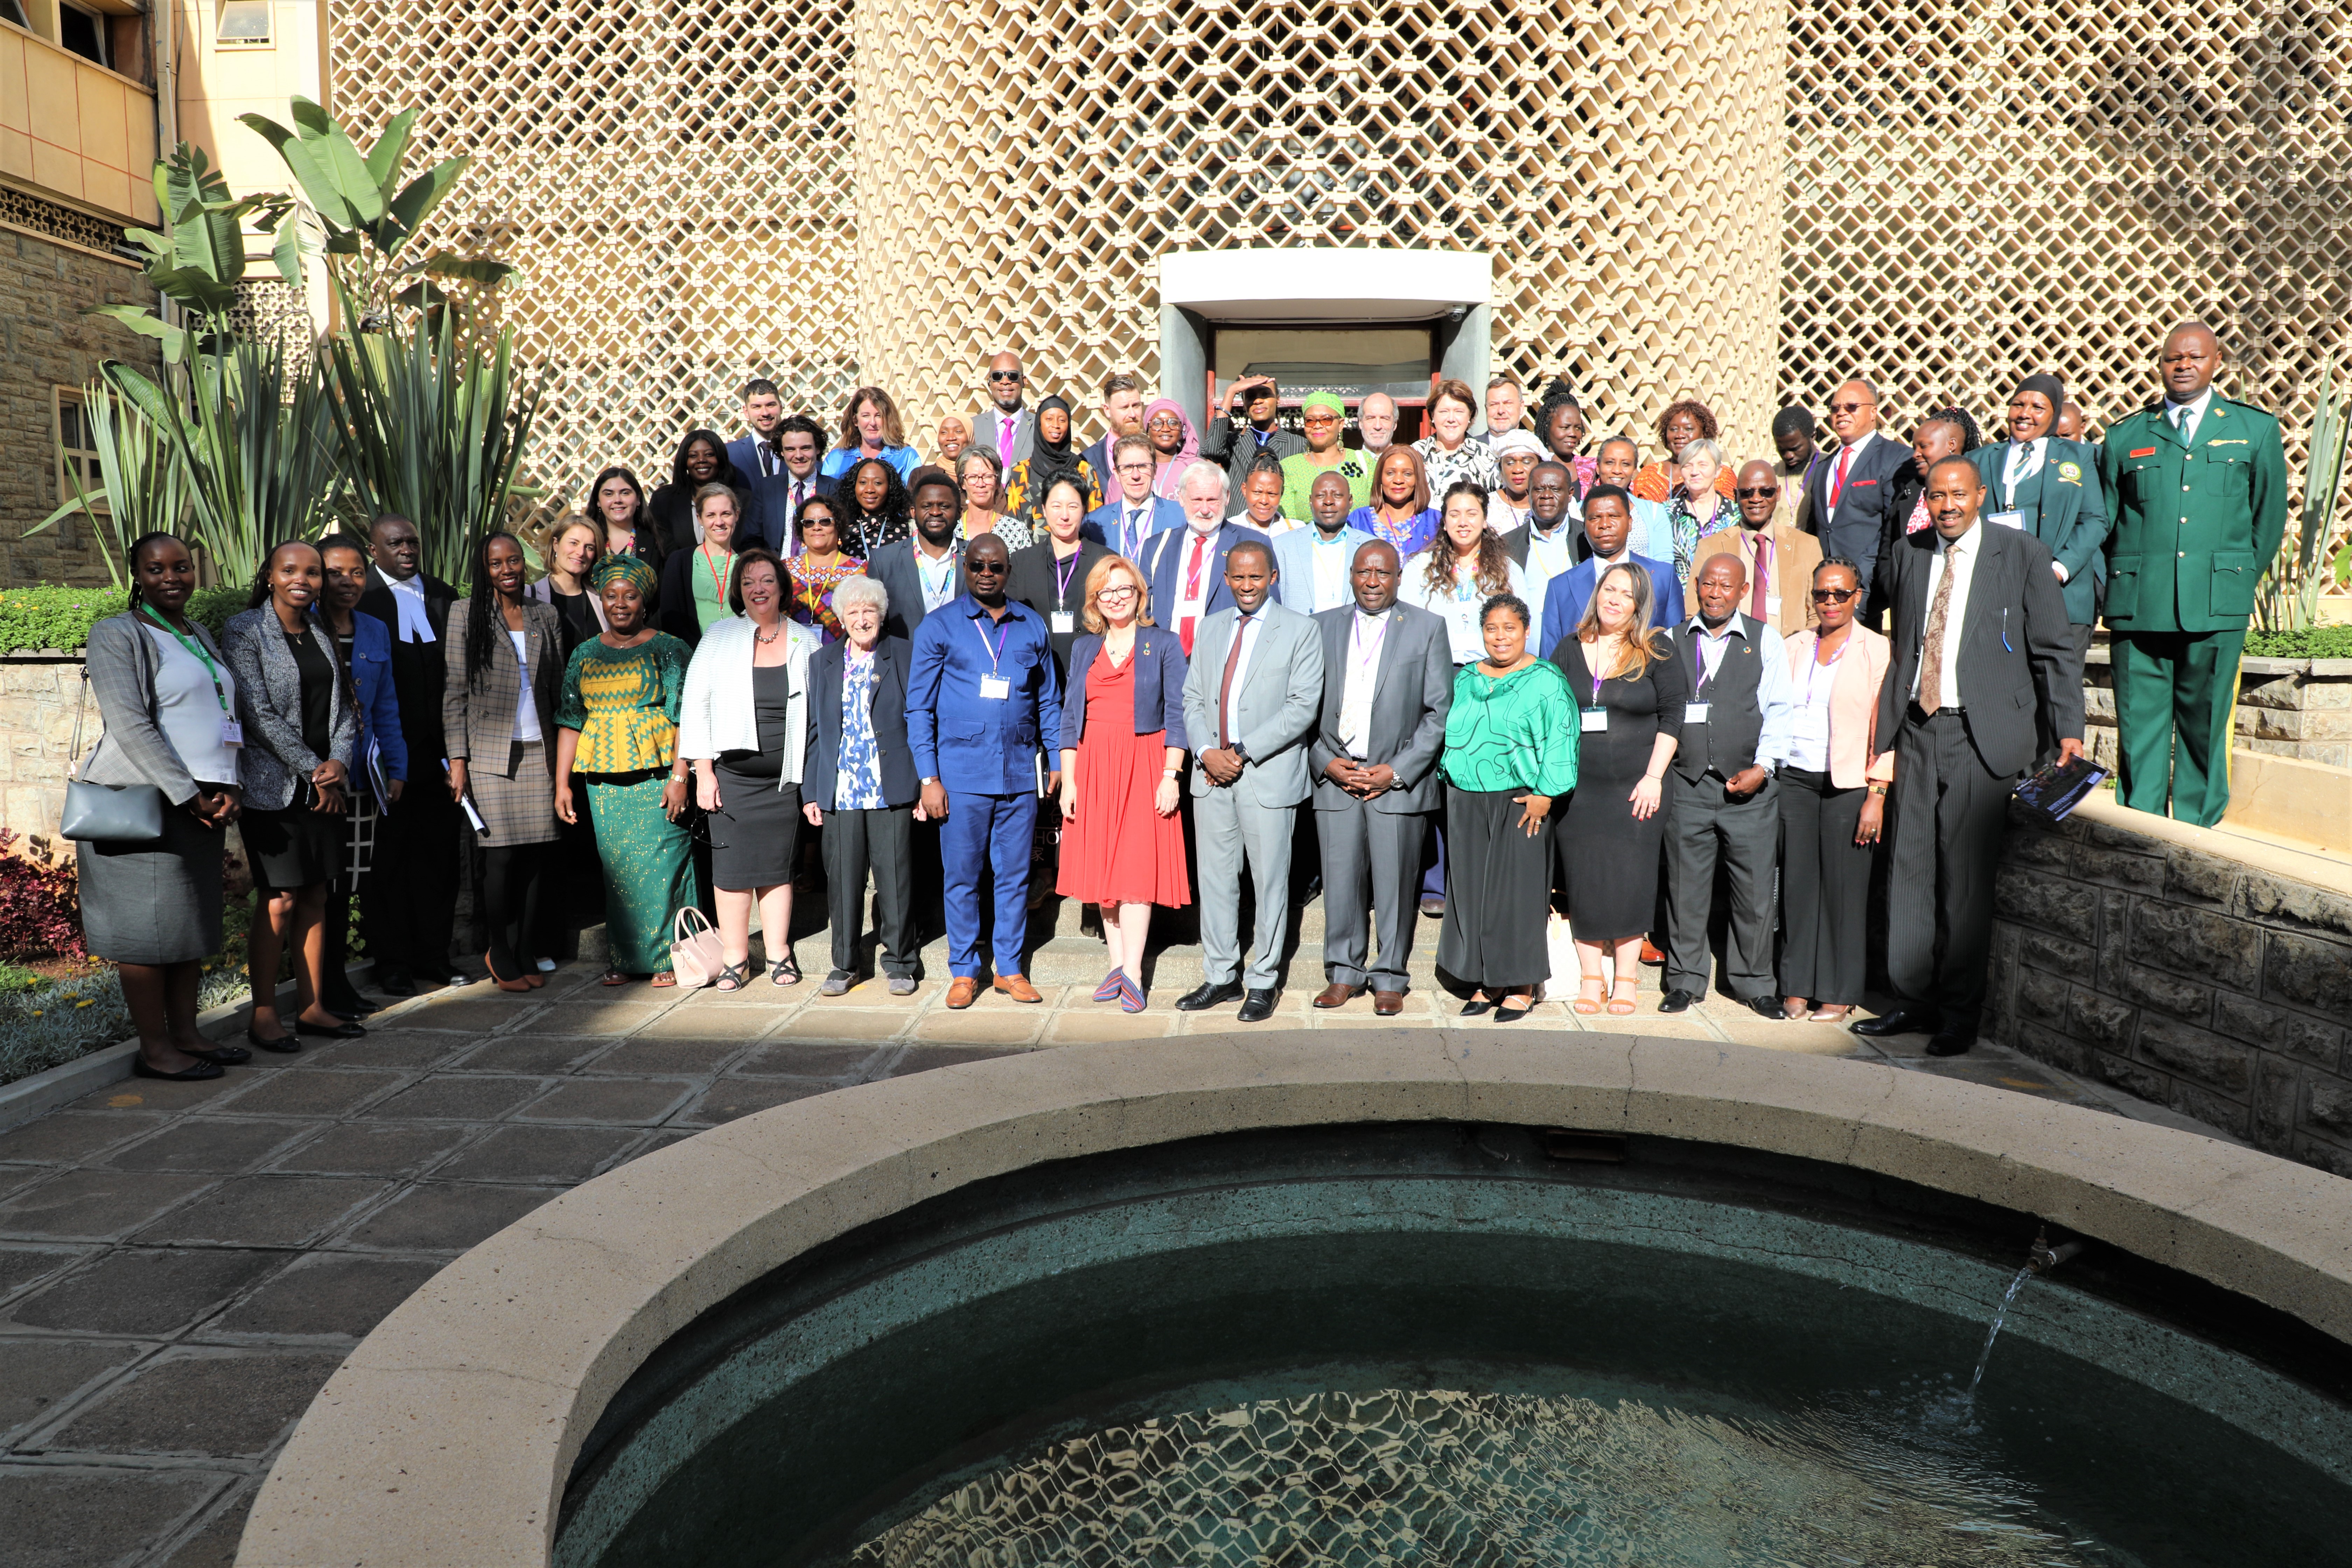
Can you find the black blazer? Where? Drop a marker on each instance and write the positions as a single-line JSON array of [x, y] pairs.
[[670, 510], [893, 566], [770, 518], [1032, 582], [418, 673], [1859, 532], [899, 783], [674, 609], [2016, 649]]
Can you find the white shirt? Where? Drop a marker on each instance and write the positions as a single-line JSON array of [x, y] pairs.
[[189, 711], [1332, 559], [2185, 416], [937, 575], [1830, 483], [1958, 556], [1189, 606], [1809, 726], [2023, 461], [1135, 526], [1245, 628], [1366, 635], [1280, 525], [1459, 605], [1548, 555], [1502, 516], [526, 704], [408, 598], [806, 487], [1774, 696]]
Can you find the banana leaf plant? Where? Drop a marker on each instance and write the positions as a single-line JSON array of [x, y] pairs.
[[2310, 560], [198, 260], [144, 484]]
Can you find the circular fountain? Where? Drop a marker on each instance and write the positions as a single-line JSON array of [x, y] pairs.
[[1324, 1298]]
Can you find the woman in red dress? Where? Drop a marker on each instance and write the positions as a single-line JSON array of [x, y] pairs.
[[1122, 747]]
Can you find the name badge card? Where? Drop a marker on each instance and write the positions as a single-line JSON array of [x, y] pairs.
[[1695, 712], [232, 733], [1771, 606], [2008, 519], [1595, 720], [996, 686], [1062, 622]]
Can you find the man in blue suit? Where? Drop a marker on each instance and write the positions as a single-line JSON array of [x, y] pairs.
[[1133, 514], [982, 690], [754, 455], [1608, 521], [775, 520], [1318, 563], [1185, 567]]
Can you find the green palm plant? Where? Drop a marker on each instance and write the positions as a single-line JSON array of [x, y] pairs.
[[2309, 560], [143, 485]]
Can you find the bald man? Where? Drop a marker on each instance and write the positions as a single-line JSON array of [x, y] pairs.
[[1004, 425]]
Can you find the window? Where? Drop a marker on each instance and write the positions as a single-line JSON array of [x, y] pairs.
[[82, 32], [14, 10], [244, 24], [77, 451]]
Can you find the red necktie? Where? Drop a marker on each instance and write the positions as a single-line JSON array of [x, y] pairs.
[[1763, 572], [1193, 590], [1225, 686], [1837, 479]]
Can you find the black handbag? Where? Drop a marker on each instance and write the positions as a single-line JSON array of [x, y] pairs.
[[112, 814]]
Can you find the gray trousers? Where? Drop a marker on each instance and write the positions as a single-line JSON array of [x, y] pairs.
[[1703, 828], [1227, 833], [1372, 874]]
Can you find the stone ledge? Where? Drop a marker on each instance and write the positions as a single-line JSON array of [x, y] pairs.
[[448, 1435]]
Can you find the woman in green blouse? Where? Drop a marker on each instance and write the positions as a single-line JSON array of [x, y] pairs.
[[616, 725], [1510, 751]]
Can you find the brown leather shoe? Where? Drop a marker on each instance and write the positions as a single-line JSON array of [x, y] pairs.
[[1388, 1004], [1018, 988], [1338, 994], [962, 992]]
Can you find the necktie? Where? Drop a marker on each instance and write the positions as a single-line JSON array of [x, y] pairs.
[[1837, 479], [1931, 653], [2180, 417], [1004, 439], [1192, 591], [1763, 576], [1225, 686]]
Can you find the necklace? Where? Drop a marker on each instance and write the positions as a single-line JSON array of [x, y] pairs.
[[765, 638]]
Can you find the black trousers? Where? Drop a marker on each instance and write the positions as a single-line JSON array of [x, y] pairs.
[[511, 874], [881, 841], [1824, 891], [409, 899], [1948, 810], [1704, 829]]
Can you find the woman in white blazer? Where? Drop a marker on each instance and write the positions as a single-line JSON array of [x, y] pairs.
[[744, 726]]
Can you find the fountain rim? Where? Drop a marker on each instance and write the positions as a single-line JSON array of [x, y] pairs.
[[447, 1439]]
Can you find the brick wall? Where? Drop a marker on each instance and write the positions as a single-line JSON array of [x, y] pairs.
[[2185, 977], [2299, 708], [47, 341]]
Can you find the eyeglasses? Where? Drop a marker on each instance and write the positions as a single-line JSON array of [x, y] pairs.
[[985, 568], [1135, 467], [1850, 408], [1121, 591], [1004, 375], [1833, 596], [1757, 493]]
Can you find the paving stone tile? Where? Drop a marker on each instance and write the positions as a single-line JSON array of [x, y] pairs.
[[266, 1211], [201, 1402], [739, 1022], [732, 1096], [1008, 1023], [447, 1217], [1111, 1024], [68, 1137], [875, 991], [215, 1541], [472, 1012], [328, 1293], [59, 1517], [308, 1093], [639, 1101], [20, 1266], [371, 1147], [532, 1054], [392, 1049], [592, 1016], [95, 1203], [205, 1143], [160, 1094], [518, 1153], [37, 1376], [458, 1099], [920, 1057], [12, 1177], [652, 1054], [146, 1291], [826, 1021], [795, 1058]]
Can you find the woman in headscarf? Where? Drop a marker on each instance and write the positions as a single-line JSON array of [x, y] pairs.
[[873, 508], [1054, 456], [1325, 418], [702, 460], [1175, 445]]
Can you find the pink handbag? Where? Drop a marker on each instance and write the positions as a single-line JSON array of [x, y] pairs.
[[694, 953]]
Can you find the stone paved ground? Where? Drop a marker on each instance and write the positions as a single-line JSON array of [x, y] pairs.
[[183, 1266]]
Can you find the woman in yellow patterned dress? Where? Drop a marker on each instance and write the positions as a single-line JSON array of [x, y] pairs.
[[616, 728]]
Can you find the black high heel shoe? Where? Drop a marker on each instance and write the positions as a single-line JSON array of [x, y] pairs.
[[227, 1056], [203, 1070], [325, 1032], [284, 1045]]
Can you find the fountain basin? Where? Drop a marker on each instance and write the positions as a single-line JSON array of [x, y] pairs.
[[534, 1401]]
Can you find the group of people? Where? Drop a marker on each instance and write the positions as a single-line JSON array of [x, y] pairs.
[[1474, 678]]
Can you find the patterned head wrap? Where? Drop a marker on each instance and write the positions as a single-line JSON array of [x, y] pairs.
[[622, 568]]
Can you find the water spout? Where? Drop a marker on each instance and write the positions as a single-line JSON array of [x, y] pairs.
[[2040, 1258], [2045, 1257]]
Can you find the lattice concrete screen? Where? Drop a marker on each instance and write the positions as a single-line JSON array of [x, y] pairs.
[[1746, 199]]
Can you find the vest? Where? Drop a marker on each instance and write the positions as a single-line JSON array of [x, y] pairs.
[[1735, 720]]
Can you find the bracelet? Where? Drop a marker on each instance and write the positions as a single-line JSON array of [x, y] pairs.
[[1879, 789]]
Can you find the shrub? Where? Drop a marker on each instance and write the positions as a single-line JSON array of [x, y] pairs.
[[40, 914], [33, 620], [2311, 642]]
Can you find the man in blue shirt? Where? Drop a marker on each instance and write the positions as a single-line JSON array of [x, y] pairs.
[[1608, 521], [1317, 563], [981, 691]]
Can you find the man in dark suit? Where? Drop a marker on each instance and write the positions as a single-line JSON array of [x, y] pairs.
[[1185, 567], [1388, 684], [1236, 442], [1608, 524], [1548, 542], [925, 571], [1007, 426], [1133, 513], [1846, 496], [776, 499], [1981, 647], [409, 899], [1122, 406], [754, 454]]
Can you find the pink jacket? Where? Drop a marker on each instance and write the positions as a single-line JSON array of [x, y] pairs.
[[1854, 756]]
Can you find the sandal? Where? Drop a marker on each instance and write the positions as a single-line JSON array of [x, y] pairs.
[[733, 976], [787, 972], [667, 977], [1588, 1002], [613, 977], [1622, 1006]]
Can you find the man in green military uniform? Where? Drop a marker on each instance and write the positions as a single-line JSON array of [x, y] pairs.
[[2197, 485]]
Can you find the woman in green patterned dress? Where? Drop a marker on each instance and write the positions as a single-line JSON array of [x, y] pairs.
[[616, 725], [1510, 752]]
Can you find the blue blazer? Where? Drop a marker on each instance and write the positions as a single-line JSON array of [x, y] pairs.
[[900, 784], [1163, 564], [1294, 558], [771, 504], [1103, 524], [1159, 686], [1568, 591], [971, 744], [379, 703]]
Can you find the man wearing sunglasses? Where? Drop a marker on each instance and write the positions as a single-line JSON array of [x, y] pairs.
[[1778, 557], [1846, 494], [1005, 427]]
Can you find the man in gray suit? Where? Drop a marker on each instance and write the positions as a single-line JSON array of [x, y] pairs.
[[1375, 762], [1005, 427], [1255, 686]]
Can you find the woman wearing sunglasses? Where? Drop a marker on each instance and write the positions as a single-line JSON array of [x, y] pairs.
[[1833, 799]]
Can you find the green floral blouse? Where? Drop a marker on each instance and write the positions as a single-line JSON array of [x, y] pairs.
[[1518, 733]]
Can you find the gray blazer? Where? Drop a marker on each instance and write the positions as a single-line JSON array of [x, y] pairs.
[[1413, 691], [123, 665], [986, 421], [1280, 698], [275, 762], [479, 723]]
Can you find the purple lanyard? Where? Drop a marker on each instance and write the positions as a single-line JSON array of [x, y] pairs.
[[1814, 666], [996, 654], [1063, 574]]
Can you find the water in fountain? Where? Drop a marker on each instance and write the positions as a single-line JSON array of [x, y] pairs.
[[2003, 1311]]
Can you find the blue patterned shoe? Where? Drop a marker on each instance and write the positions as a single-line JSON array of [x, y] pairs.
[[1130, 995], [1113, 984]]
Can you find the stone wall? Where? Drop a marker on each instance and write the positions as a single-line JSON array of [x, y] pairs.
[[2299, 708], [38, 694], [47, 342], [2134, 950]]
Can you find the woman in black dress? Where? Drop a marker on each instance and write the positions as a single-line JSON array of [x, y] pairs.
[[1630, 692], [702, 460]]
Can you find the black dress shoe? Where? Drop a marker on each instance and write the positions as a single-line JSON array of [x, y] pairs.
[[196, 1074], [1506, 1013], [1951, 1043], [351, 1004], [1209, 994], [1476, 1007], [1257, 1007], [1675, 1001], [284, 1045], [320, 1031], [1902, 1021], [227, 1056], [1767, 1007]]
